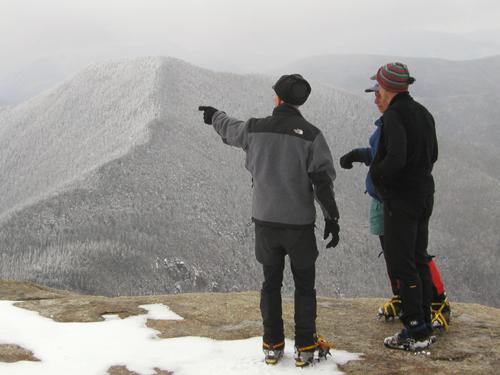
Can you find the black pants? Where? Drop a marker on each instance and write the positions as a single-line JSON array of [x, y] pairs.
[[437, 292], [394, 281], [406, 232], [271, 246]]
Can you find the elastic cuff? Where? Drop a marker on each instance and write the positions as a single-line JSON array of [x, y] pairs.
[[217, 114]]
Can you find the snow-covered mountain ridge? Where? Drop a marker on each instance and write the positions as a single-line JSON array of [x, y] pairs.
[[64, 133]]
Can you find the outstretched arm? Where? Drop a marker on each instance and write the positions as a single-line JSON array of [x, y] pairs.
[[232, 131]]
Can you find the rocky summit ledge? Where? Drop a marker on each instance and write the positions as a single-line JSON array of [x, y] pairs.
[[471, 346]]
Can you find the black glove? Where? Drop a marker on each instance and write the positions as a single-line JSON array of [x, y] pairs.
[[208, 113], [356, 155], [346, 160], [331, 227]]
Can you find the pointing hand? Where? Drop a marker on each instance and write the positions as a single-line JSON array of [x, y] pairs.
[[208, 113]]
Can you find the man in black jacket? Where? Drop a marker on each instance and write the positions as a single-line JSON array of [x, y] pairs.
[[291, 165], [402, 174]]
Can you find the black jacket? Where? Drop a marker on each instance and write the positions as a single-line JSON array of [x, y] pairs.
[[407, 150]]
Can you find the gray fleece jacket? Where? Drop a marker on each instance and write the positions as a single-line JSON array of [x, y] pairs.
[[290, 163]]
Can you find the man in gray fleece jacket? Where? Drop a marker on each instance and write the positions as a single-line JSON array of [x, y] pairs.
[[291, 166]]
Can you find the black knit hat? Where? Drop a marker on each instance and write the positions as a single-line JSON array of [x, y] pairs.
[[292, 89]]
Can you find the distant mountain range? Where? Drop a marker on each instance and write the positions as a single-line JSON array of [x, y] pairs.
[[112, 184]]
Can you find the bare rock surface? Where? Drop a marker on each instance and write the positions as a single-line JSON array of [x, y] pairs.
[[14, 353], [471, 346]]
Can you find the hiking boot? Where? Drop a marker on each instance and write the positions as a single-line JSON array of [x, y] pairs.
[[273, 352], [441, 314], [404, 340], [391, 309], [304, 357]]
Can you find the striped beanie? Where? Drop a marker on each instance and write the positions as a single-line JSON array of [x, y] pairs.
[[394, 77]]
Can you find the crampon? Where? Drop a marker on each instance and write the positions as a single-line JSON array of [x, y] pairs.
[[441, 315], [273, 352], [307, 356], [391, 309]]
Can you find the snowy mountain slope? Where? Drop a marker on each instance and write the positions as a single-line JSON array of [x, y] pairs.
[[174, 212], [160, 204], [60, 135]]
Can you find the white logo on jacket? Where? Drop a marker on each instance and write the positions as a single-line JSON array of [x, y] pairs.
[[298, 131]]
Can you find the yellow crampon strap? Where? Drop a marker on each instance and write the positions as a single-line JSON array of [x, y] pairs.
[[307, 348], [390, 305], [321, 343], [438, 315]]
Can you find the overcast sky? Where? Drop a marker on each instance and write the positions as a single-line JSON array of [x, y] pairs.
[[236, 34]]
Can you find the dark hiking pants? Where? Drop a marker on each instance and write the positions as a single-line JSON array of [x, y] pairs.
[[394, 281], [271, 246], [406, 231], [437, 282]]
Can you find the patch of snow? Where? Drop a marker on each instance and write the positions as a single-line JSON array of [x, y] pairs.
[[159, 311], [92, 348]]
